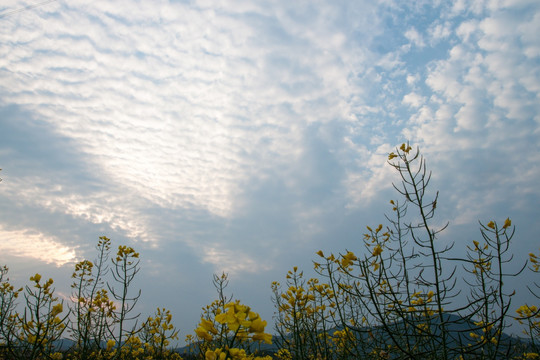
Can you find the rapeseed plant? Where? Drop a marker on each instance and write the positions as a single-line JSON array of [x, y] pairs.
[[228, 329]]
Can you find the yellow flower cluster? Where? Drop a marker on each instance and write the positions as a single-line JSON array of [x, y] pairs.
[[506, 225], [342, 338], [420, 303], [237, 325], [46, 288], [84, 267], [533, 258], [110, 344], [233, 353], [528, 311], [102, 303], [284, 354], [206, 330], [6, 288], [482, 264], [126, 252], [297, 301], [487, 333], [405, 148], [241, 320], [348, 259], [157, 333], [377, 250]]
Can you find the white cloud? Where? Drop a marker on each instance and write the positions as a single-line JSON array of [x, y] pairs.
[[487, 92], [36, 245], [121, 212], [160, 95], [528, 31], [415, 37], [468, 6], [364, 186], [438, 32], [412, 79], [413, 99], [231, 261], [466, 29], [181, 108]]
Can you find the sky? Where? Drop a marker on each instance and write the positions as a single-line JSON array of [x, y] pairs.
[[243, 136]]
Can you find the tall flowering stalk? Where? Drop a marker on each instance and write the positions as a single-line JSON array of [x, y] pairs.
[[529, 315], [91, 306], [42, 322], [305, 312], [126, 267], [9, 324], [158, 332]]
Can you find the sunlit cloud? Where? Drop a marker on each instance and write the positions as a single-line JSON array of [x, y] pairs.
[[36, 246], [168, 120], [232, 262], [95, 208]]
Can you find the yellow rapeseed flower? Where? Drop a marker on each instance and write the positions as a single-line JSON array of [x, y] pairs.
[[57, 309], [208, 326], [405, 148], [110, 344], [203, 334], [267, 338], [377, 250], [215, 355], [348, 259], [257, 325]]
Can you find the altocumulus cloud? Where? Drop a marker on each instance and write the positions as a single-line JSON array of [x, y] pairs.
[[239, 136], [180, 105]]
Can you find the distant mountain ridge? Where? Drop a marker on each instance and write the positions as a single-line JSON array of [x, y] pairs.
[[458, 329]]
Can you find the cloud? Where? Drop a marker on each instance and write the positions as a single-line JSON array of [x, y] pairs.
[[166, 101], [489, 67], [484, 97], [438, 32], [232, 262], [413, 99], [415, 37], [183, 109], [35, 245]]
